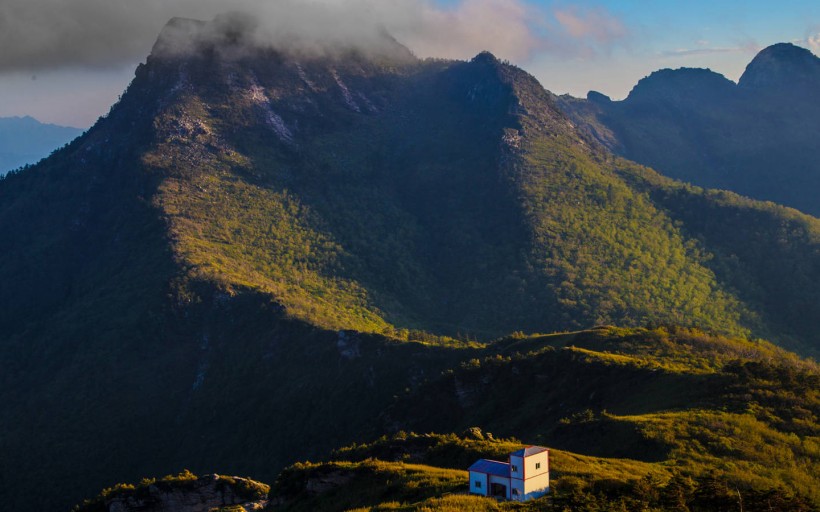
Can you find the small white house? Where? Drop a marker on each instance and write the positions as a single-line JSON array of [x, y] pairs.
[[525, 476]]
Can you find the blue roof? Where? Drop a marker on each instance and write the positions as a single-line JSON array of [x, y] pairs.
[[491, 467], [529, 450]]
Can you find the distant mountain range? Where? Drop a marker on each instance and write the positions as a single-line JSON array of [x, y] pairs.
[[24, 140], [258, 252], [757, 137]]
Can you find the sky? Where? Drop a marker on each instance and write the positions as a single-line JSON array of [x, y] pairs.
[[67, 61]]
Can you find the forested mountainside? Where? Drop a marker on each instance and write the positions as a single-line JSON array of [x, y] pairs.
[[757, 137], [256, 249]]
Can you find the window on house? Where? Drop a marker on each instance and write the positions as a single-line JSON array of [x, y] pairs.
[[537, 465], [515, 492], [478, 484], [514, 469]]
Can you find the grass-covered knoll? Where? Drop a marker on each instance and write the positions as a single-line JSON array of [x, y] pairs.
[[605, 402], [400, 473], [672, 348], [460, 451], [184, 488], [414, 472], [738, 446], [339, 486], [674, 397], [410, 481]]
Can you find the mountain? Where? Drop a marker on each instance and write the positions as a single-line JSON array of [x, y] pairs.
[[24, 140], [782, 69], [257, 249], [754, 137]]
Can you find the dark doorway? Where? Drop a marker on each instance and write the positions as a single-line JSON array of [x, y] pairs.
[[498, 490]]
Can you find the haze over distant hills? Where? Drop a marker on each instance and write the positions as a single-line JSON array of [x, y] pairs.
[[24, 140], [757, 137], [259, 251]]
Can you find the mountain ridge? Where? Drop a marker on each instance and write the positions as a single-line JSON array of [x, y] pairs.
[[753, 137], [24, 141]]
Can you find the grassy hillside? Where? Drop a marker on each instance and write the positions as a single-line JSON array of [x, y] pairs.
[[635, 419], [678, 398], [363, 480], [425, 472]]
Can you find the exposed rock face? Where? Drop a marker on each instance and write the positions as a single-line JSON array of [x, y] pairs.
[[348, 345], [327, 482], [205, 494]]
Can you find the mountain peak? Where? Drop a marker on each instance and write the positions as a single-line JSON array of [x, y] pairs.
[[485, 57], [688, 84], [175, 34], [598, 97], [781, 65]]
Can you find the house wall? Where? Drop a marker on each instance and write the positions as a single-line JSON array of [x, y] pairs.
[[518, 463], [536, 486], [517, 485], [500, 480], [531, 476], [533, 460], [481, 478]]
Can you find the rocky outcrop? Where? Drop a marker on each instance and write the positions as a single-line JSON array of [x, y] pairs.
[[208, 493], [327, 482]]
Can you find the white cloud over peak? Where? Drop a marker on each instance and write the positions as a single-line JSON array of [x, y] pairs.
[[813, 42], [749, 47], [504, 27], [38, 35]]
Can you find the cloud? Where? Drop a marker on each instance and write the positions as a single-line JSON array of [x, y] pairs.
[[704, 49], [44, 34], [512, 29], [595, 25], [813, 42], [810, 41], [38, 35], [502, 26], [574, 32]]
